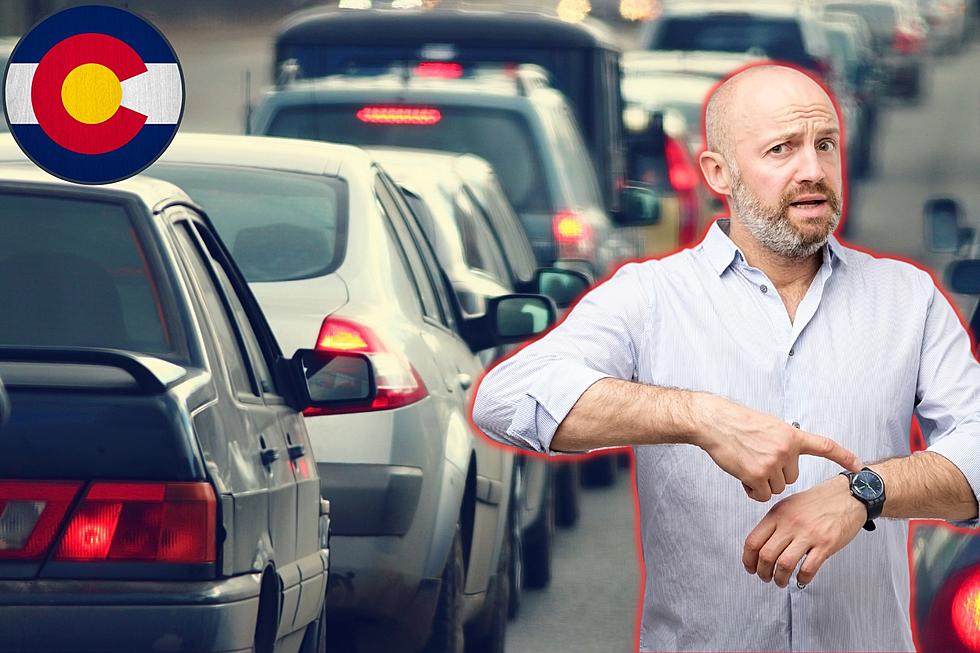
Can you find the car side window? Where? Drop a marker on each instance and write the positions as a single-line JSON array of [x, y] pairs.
[[479, 240], [427, 295], [244, 324], [226, 336], [520, 256], [430, 261]]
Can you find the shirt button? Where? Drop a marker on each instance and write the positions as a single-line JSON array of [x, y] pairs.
[[796, 424], [764, 288], [791, 352]]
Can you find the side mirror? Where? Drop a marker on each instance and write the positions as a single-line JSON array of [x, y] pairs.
[[964, 276], [942, 222], [639, 207], [562, 286], [331, 380], [509, 319]]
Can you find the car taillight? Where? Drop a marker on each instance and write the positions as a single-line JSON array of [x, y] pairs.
[[398, 383], [683, 179], [399, 115], [439, 69], [907, 42], [573, 236], [30, 514], [966, 611], [152, 522]]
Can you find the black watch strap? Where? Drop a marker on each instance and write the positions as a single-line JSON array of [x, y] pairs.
[[873, 507]]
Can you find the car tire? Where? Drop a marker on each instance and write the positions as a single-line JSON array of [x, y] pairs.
[[494, 635], [600, 471], [538, 542], [315, 639], [447, 635], [567, 490], [515, 535]]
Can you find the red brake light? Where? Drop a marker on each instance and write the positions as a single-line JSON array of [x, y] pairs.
[[907, 42], [399, 115], [30, 514], [156, 522], [439, 69], [573, 235], [396, 380], [966, 612], [680, 170]]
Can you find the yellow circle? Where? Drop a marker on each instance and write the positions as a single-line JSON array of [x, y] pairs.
[[91, 93]]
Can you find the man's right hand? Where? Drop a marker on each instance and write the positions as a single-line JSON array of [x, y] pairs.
[[758, 449]]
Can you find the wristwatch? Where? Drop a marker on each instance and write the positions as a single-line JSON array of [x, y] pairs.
[[868, 488]]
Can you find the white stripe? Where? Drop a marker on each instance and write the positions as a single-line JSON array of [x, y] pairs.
[[157, 93], [17, 93]]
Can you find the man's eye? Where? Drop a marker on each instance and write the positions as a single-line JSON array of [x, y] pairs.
[[827, 146], [779, 149]]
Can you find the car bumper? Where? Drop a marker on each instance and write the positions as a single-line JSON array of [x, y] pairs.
[[104, 616]]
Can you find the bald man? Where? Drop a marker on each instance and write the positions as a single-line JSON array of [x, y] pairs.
[[766, 380]]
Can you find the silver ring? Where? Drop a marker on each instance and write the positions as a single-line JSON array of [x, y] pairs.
[[800, 586]]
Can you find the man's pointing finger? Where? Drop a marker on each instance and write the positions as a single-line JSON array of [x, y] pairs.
[[817, 445]]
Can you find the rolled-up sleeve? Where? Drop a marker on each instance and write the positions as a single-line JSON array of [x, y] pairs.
[[948, 393], [523, 399]]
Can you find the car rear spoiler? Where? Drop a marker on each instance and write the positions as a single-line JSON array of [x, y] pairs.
[[71, 368]]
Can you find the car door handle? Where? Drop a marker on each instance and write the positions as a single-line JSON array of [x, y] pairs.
[[464, 380], [269, 455], [296, 451]]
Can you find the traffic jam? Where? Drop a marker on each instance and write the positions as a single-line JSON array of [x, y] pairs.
[[236, 388]]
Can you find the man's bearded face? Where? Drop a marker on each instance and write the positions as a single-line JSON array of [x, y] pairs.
[[773, 225]]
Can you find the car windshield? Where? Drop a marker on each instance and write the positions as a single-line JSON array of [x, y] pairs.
[[777, 38], [501, 137], [75, 273], [279, 226]]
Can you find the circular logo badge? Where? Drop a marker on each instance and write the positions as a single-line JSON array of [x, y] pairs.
[[93, 94]]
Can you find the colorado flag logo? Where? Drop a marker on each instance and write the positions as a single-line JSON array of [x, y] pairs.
[[93, 94]]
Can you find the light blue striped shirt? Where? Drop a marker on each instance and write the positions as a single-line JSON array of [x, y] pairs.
[[873, 340]]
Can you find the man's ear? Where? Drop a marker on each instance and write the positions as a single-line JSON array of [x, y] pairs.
[[715, 172]]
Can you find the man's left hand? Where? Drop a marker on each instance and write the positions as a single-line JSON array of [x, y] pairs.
[[816, 523]]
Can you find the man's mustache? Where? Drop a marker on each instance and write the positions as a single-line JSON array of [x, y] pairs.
[[811, 188]]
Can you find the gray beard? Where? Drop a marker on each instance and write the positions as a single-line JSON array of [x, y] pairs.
[[771, 226]]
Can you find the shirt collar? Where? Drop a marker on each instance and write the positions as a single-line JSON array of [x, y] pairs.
[[721, 251]]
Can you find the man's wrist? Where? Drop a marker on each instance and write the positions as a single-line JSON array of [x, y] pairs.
[[692, 422]]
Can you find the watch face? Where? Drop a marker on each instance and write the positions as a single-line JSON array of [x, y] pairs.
[[867, 485]]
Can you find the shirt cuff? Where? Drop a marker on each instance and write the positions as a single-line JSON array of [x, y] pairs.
[[538, 414], [963, 450]]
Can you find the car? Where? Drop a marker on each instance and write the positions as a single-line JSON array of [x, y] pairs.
[[466, 215], [337, 260], [947, 21], [782, 31], [898, 41], [513, 119], [581, 58], [945, 232], [702, 63], [156, 488]]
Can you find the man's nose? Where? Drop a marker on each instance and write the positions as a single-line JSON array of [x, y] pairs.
[[809, 168]]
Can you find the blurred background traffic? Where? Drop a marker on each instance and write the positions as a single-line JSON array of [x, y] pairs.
[[534, 146]]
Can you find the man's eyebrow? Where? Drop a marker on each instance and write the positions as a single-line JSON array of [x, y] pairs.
[[796, 133]]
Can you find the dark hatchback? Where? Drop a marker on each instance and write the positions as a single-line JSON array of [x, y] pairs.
[[157, 490]]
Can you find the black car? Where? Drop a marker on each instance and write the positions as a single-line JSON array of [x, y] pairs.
[[157, 488]]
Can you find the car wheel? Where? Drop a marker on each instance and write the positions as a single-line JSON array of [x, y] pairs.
[[566, 494], [447, 624], [494, 635], [538, 542], [515, 537], [600, 471], [315, 639]]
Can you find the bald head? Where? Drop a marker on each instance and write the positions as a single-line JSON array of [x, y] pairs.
[[734, 103]]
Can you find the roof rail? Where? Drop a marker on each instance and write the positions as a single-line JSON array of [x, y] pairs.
[[530, 77]]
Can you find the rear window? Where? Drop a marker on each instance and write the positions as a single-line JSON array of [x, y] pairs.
[[503, 138], [776, 38], [75, 274], [278, 226], [881, 18]]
